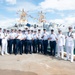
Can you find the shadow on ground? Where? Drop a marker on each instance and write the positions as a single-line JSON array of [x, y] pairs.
[[13, 72]]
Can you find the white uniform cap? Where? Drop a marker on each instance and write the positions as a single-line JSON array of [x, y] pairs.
[[35, 30], [25, 27], [59, 29], [52, 29], [39, 28], [31, 28]]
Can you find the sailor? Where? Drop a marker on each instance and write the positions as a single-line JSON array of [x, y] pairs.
[[14, 40], [24, 43], [4, 42], [29, 42], [40, 41], [11, 40], [26, 30], [19, 43], [32, 38], [0, 36], [70, 44], [53, 38], [8, 34], [60, 43], [35, 36], [45, 37]]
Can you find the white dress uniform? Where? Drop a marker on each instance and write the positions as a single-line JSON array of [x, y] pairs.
[[4, 43], [35, 36], [23, 36], [29, 42], [29, 36], [53, 37], [53, 44], [0, 38], [70, 45], [0, 35], [60, 44], [35, 42], [13, 35], [45, 41], [20, 36], [40, 42], [45, 36], [39, 36], [26, 32]]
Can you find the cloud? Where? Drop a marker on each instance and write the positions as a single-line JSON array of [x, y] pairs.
[[58, 21], [70, 20], [28, 6], [58, 4], [65, 21], [11, 1], [7, 22]]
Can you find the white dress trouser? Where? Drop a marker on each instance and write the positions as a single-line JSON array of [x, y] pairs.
[[70, 50], [60, 49], [4, 46]]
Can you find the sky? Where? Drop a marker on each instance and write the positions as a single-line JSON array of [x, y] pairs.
[[57, 11]]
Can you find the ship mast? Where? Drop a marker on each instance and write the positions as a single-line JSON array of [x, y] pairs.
[[23, 16], [41, 18]]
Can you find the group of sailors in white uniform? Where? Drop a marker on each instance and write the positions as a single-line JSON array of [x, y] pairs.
[[32, 41]]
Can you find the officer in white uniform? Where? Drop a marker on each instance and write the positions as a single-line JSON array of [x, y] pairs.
[[53, 38], [24, 44], [32, 39], [26, 30], [45, 37], [0, 36], [35, 36], [60, 43], [4, 42], [8, 34], [14, 40], [11, 41], [19, 39], [40, 41], [70, 44], [29, 38]]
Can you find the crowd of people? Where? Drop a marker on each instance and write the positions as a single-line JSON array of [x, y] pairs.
[[36, 41]]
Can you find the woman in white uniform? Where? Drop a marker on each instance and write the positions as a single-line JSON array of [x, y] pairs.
[[4, 43], [70, 45], [60, 44]]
